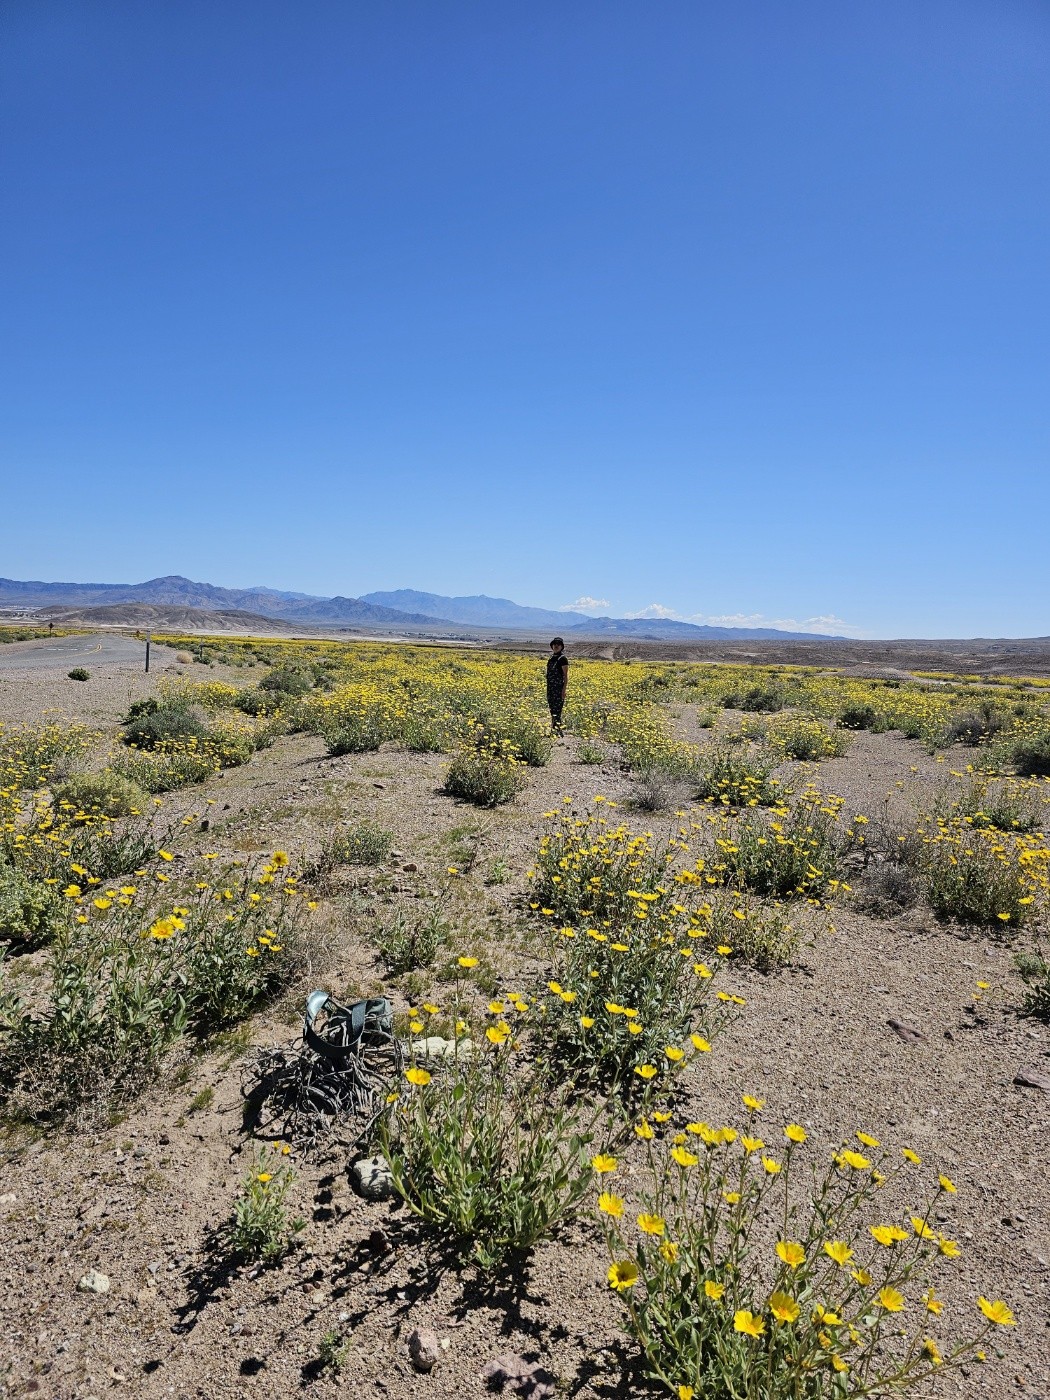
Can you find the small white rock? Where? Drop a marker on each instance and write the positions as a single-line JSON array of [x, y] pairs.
[[93, 1282]]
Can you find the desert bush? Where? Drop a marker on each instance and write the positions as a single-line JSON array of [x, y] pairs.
[[654, 790], [590, 752], [364, 843], [491, 1159], [624, 1012], [354, 733], [1035, 972], [106, 794], [428, 731], [1009, 804], [410, 940], [262, 1229], [586, 867], [115, 1005], [982, 875], [1029, 753], [861, 716], [765, 933], [78, 673], [973, 727], [30, 757], [803, 737], [488, 776], [132, 972], [259, 702], [721, 1310], [165, 771], [162, 726], [288, 680], [736, 776], [31, 912], [794, 853], [757, 699], [525, 735], [888, 888]]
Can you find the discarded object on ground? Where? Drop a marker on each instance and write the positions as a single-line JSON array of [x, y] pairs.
[[335, 1077]]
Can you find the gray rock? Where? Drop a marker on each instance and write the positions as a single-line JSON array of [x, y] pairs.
[[436, 1047], [371, 1178], [424, 1348], [520, 1377], [93, 1282]]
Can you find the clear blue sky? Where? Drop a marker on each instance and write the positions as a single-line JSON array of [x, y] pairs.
[[732, 308]]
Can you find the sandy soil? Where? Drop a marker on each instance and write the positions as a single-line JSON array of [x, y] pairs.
[[138, 1199]]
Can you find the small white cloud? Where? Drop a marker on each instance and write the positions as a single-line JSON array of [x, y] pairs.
[[584, 604], [825, 625], [654, 610]]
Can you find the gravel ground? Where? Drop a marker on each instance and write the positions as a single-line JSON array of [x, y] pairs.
[[137, 1199]]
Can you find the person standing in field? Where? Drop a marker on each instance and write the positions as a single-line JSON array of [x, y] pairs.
[[557, 682]]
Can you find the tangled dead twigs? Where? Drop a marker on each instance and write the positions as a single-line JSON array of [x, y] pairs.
[[332, 1080]]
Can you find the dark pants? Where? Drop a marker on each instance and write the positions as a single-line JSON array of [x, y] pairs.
[[556, 704]]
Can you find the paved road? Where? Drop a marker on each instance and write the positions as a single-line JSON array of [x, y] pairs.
[[96, 649]]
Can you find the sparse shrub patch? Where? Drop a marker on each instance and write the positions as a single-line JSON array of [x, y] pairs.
[[737, 776], [262, 1228], [78, 673], [106, 794], [31, 912], [723, 1307], [489, 1158], [488, 776]]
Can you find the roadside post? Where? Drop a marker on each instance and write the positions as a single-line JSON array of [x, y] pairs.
[[149, 638]]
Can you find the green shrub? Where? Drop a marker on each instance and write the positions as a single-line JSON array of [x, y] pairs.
[[288, 680], [408, 941], [1009, 804], [974, 726], [758, 699], [804, 737], [793, 854], [492, 1160], [29, 757], [1035, 971], [360, 732], [590, 752], [31, 912], [262, 1229], [115, 1006], [1030, 755], [167, 724], [619, 1013], [736, 777], [107, 794], [744, 1275], [364, 843], [167, 770], [586, 867], [78, 673], [860, 716], [981, 875], [488, 776]]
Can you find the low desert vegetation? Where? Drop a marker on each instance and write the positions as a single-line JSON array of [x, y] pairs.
[[754, 1257]]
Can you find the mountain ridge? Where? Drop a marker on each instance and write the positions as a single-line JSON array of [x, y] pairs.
[[421, 609]]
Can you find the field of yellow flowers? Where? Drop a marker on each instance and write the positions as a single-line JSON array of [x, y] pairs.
[[720, 1027]]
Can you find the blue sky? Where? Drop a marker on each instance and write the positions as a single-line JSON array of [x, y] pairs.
[[719, 310]]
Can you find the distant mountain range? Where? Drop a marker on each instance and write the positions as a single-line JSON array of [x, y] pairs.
[[405, 607], [477, 610]]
